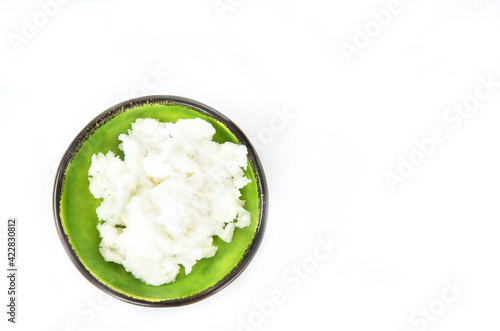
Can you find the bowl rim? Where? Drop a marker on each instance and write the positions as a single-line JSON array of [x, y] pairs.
[[205, 110]]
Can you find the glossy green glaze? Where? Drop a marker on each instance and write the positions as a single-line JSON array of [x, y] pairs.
[[79, 220]]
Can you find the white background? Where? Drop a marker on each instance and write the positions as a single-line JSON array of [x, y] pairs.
[[355, 117]]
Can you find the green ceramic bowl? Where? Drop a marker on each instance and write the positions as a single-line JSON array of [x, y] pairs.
[[76, 219]]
